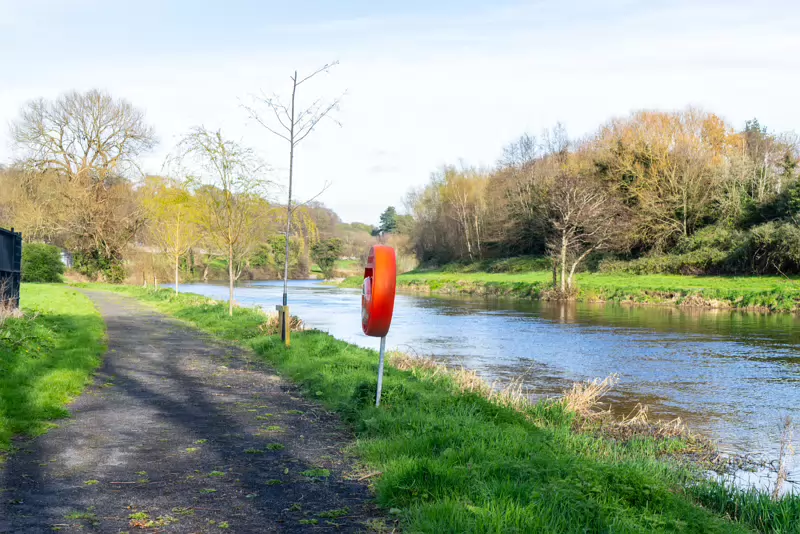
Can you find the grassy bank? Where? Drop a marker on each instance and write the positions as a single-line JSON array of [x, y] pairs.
[[46, 357], [765, 292], [450, 459]]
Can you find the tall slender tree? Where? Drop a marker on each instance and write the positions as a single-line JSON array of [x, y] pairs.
[[172, 218], [292, 123], [230, 202]]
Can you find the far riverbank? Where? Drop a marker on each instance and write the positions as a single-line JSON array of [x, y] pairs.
[[754, 293]]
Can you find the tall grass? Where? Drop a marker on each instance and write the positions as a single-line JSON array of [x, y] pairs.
[[47, 355], [453, 458]]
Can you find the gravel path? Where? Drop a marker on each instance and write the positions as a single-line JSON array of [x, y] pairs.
[[180, 433]]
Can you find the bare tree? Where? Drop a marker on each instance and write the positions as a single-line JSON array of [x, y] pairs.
[[82, 135], [293, 125], [519, 152], [229, 203], [584, 219], [88, 142]]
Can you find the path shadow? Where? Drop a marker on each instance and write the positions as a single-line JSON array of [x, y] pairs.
[[180, 427]]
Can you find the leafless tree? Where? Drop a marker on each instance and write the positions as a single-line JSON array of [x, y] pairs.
[[82, 135], [228, 205], [293, 125], [585, 218], [520, 152], [84, 146]]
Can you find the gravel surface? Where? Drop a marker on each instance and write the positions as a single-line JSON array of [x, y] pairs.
[[181, 433]]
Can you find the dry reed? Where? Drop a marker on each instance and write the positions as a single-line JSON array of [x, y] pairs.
[[786, 451], [272, 325]]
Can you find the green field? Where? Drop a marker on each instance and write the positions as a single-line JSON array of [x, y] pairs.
[[766, 292], [451, 460], [46, 358]]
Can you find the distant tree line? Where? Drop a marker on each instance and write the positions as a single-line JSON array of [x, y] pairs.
[[676, 192], [77, 184]]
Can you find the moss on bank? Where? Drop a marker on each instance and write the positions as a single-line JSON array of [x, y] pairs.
[[452, 460]]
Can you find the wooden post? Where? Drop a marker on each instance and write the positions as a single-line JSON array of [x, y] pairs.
[[284, 318]]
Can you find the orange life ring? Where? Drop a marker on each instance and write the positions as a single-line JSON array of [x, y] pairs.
[[377, 295]]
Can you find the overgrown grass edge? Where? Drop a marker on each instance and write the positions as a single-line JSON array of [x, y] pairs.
[[456, 461]]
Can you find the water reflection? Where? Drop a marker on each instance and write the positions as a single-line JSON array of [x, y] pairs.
[[731, 375]]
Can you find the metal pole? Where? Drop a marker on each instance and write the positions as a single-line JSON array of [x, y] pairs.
[[380, 372]]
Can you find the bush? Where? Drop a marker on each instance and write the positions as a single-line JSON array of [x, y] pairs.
[[702, 261], [93, 265], [41, 263], [520, 264], [325, 253], [712, 237], [771, 248]]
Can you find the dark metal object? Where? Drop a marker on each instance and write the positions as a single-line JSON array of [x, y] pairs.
[[10, 267]]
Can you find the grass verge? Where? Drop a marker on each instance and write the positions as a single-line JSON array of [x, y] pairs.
[[744, 292], [47, 357], [453, 459]]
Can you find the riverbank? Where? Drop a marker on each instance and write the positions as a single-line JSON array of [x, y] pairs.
[[47, 357], [449, 459], [765, 293]]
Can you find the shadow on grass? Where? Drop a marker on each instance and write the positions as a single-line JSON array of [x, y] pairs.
[[45, 361], [164, 416]]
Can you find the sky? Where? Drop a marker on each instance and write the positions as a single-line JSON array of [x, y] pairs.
[[424, 83]]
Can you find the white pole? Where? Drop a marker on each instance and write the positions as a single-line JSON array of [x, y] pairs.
[[380, 372]]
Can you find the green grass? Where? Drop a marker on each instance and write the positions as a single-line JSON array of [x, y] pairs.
[[341, 267], [46, 358], [456, 462], [766, 292]]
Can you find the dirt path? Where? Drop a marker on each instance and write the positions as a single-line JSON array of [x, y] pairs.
[[183, 434]]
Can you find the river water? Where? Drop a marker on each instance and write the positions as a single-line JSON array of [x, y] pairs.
[[732, 376]]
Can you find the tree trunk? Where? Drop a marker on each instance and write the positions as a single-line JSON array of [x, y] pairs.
[[564, 263], [289, 200], [469, 244], [478, 237], [177, 249], [572, 274], [555, 271], [575, 266], [177, 262], [230, 279]]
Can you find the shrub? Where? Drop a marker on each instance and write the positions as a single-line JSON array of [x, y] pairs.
[[93, 265], [702, 261], [520, 264], [325, 253], [712, 237], [41, 263], [771, 248]]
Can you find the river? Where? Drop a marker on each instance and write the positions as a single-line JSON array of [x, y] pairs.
[[730, 375]]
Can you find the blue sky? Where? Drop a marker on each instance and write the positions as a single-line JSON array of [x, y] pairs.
[[427, 82]]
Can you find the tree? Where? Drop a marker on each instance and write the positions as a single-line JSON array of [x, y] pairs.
[[325, 253], [86, 144], [293, 125], [519, 152], [388, 220], [41, 263], [230, 203], [172, 215], [668, 167], [585, 218]]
